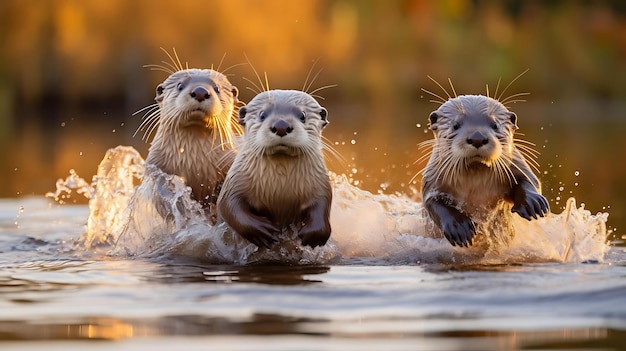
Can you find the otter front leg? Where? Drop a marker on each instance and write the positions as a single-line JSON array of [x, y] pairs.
[[527, 202], [457, 227], [241, 218], [316, 218]]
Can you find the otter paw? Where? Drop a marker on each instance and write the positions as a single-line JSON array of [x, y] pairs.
[[262, 234], [459, 231], [534, 206], [314, 237]]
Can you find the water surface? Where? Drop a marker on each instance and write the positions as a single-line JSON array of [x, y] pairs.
[[387, 287]]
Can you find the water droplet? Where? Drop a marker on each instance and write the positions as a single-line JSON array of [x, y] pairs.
[[113, 130], [62, 124], [181, 150], [352, 141], [354, 170], [577, 173], [15, 169], [419, 125], [354, 133], [576, 184], [561, 189], [20, 210], [80, 153]]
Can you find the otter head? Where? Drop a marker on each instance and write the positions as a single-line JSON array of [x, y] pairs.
[[474, 129], [283, 122], [197, 100]]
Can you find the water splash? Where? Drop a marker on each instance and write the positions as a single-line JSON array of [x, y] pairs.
[[157, 218]]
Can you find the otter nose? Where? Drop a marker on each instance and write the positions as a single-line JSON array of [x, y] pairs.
[[281, 128], [200, 94], [477, 139]]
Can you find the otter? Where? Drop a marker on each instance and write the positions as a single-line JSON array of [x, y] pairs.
[[195, 121], [279, 179], [476, 171]]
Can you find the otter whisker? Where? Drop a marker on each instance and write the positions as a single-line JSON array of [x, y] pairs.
[[327, 147], [305, 88], [322, 88], [427, 143], [177, 59], [148, 119], [522, 172], [527, 148], [256, 91], [441, 86], [497, 87], [513, 81], [152, 106], [267, 82], [508, 99], [231, 67], [530, 160], [504, 170], [220, 64], [151, 129], [174, 66], [440, 101], [159, 68], [255, 73], [452, 86]]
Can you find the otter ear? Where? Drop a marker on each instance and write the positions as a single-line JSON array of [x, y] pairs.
[[159, 93], [433, 120], [324, 116], [513, 119], [242, 115], [235, 92]]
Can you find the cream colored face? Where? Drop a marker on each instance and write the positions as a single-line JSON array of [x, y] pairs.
[[196, 97], [476, 129], [283, 122]]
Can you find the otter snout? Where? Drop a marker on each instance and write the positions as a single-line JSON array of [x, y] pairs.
[[281, 128], [200, 93], [477, 139]]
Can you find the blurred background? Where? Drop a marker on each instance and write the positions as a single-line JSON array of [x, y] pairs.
[[71, 76]]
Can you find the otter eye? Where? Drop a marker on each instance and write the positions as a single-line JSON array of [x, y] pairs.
[[262, 116], [217, 89], [303, 116], [179, 86], [456, 125], [494, 125]]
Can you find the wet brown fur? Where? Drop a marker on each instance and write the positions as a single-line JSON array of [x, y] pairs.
[[477, 169], [277, 182], [194, 139]]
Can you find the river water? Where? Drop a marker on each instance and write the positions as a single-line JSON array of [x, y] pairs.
[[115, 274]]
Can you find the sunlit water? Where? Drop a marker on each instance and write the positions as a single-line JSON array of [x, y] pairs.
[[147, 270]]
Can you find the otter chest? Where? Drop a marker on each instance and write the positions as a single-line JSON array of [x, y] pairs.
[[478, 189], [284, 188]]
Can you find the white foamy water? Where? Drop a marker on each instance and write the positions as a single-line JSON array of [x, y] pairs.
[[139, 212]]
